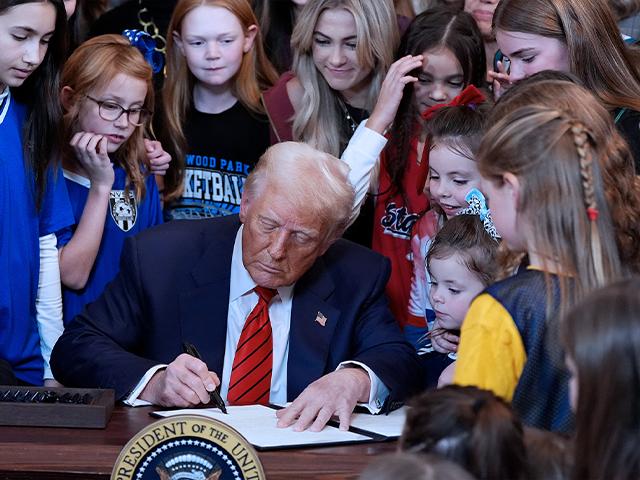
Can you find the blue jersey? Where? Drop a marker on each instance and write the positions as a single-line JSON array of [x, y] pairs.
[[126, 217], [21, 224]]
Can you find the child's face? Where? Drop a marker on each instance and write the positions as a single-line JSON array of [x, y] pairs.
[[530, 53], [451, 176], [25, 31], [127, 92], [440, 80], [213, 43], [502, 201], [334, 53], [453, 287]]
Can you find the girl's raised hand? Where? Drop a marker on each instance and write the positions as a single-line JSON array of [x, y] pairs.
[[91, 152], [158, 159], [391, 92], [500, 79]]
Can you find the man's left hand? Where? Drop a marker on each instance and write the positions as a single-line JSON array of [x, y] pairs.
[[337, 393]]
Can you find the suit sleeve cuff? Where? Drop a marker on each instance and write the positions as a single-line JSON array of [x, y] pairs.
[[378, 392], [132, 400]]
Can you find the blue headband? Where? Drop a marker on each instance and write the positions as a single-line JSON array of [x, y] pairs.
[[147, 46]]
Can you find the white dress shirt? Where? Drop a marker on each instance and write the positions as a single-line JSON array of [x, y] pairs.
[[242, 299]]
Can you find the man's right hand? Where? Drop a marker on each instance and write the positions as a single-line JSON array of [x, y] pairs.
[[185, 382]]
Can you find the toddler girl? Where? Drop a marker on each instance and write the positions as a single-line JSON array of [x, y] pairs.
[[461, 262]]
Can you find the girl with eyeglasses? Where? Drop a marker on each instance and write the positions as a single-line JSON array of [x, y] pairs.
[[107, 98]]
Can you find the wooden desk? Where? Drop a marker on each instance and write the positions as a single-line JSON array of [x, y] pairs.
[[61, 453]]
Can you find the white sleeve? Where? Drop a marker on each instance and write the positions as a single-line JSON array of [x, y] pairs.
[[49, 300], [132, 400], [362, 155], [419, 293], [378, 392]]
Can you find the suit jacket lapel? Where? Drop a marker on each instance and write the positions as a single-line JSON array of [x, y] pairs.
[[309, 341], [204, 308]]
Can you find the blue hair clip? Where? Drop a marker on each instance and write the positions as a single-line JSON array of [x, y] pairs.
[[478, 206], [147, 46]]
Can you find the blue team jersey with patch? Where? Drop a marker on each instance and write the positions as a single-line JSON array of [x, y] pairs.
[[125, 218], [20, 227]]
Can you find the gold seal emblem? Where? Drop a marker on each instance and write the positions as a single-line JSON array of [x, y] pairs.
[[188, 447]]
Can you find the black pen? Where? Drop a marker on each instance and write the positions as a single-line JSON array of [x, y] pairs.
[[215, 397]]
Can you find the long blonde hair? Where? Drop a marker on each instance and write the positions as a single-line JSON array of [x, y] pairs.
[[377, 38], [91, 67], [557, 162], [255, 74], [597, 54]]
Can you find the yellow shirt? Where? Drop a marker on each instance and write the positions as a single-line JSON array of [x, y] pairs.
[[491, 354]]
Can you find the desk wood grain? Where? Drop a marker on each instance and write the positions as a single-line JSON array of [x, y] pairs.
[[63, 453]]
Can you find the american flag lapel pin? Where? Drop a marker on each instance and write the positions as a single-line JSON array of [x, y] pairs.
[[321, 319]]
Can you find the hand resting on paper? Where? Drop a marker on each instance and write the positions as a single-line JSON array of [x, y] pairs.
[[336, 393], [185, 382]]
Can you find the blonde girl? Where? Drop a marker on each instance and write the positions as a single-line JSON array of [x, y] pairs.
[[540, 170], [107, 96], [342, 51], [213, 118]]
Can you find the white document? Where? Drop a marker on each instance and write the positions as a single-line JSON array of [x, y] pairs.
[[386, 425], [257, 424]]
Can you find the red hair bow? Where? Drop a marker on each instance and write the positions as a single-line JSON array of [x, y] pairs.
[[469, 97]]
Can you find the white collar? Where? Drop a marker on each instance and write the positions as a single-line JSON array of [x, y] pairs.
[[76, 178], [6, 93]]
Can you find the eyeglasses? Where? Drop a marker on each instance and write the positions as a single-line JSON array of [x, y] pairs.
[[112, 111]]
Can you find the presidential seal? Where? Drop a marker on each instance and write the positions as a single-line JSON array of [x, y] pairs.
[[188, 447]]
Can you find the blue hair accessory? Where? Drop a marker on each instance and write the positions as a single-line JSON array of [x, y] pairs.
[[478, 206], [147, 46]]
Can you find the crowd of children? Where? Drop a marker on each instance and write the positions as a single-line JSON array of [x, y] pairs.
[[512, 229]]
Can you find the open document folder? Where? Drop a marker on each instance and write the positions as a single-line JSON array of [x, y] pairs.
[[257, 423]]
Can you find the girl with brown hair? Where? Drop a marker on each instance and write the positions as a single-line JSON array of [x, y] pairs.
[[107, 97], [33, 200], [470, 427], [602, 343], [577, 36], [541, 171], [622, 188], [213, 118]]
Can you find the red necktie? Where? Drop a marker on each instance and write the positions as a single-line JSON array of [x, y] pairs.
[[250, 381]]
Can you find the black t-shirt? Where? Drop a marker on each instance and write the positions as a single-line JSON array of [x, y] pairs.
[[222, 148]]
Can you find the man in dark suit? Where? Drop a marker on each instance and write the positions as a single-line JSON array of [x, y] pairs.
[[333, 344]]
